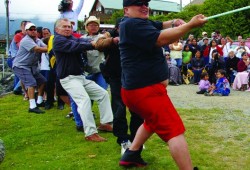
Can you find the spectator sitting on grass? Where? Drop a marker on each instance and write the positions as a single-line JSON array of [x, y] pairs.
[[204, 84], [222, 86]]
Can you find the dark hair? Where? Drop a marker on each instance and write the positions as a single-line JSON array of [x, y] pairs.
[[185, 46], [17, 31], [44, 28], [244, 53], [216, 56], [212, 41], [222, 72], [203, 75], [63, 6]]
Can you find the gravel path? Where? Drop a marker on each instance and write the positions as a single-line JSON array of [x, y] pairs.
[[184, 96]]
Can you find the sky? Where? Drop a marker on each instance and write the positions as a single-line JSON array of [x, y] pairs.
[[45, 9]]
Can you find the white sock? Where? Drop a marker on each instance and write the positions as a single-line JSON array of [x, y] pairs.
[[32, 103], [39, 99]]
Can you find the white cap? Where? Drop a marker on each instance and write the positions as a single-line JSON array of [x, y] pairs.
[[203, 33], [29, 25]]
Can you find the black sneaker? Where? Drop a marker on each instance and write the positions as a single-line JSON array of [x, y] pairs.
[[132, 159], [36, 110], [69, 115], [48, 106], [41, 104]]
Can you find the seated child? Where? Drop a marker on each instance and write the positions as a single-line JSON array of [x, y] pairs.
[[222, 86], [204, 84]]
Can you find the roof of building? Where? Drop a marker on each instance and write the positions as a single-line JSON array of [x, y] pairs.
[[158, 5]]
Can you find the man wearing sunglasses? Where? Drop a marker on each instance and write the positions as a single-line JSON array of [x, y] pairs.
[[144, 80], [25, 66]]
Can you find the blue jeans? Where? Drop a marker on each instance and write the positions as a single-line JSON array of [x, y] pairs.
[[98, 79], [179, 62], [77, 117], [197, 74]]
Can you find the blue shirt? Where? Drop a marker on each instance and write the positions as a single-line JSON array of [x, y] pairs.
[[142, 63], [68, 52], [13, 49]]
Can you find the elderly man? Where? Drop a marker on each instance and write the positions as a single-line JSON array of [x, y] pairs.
[[144, 80], [68, 51], [25, 66]]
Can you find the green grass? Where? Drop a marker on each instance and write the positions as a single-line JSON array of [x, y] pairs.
[[218, 140]]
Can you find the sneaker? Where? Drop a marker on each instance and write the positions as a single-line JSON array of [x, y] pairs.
[[132, 159], [69, 115], [40, 104], [124, 146], [36, 110]]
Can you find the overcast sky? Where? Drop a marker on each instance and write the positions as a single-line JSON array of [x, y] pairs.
[[45, 9]]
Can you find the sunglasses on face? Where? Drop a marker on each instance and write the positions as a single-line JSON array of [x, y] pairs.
[[141, 4], [32, 29]]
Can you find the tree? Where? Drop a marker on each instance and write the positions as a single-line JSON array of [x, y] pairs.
[[233, 24]]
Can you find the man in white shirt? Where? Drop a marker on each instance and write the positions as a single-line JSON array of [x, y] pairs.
[[241, 48]]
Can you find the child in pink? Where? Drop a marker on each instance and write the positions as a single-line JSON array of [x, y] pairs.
[[204, 84]]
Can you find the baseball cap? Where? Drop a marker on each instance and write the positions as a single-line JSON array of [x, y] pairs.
[[132, 2], [29, 25]]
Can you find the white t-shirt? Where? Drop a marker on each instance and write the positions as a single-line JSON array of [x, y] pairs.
[[73, 15], [225, 49], [238, 51], [44, 65]]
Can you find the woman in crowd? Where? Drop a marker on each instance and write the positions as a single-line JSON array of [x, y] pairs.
[[242, 78], [176, 52], [231, 66], [209, 49], [174, 71], [186, 59], [198, 65]]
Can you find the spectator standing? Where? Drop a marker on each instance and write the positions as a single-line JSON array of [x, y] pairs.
[[11, 56], [66, 10], [225, 45], [176, 52], [25, 66], [144, 80], [241, 48], [209, 49], [201, 42]]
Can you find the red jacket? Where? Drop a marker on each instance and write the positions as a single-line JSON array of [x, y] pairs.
[[208, 48], [241, 66]]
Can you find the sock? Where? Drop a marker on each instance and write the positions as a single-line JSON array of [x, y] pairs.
[[39, 99], [32, 103]]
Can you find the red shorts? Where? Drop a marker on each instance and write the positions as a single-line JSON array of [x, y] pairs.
[[155, 107]]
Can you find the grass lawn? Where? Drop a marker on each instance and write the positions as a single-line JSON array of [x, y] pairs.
[[218, 140]]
